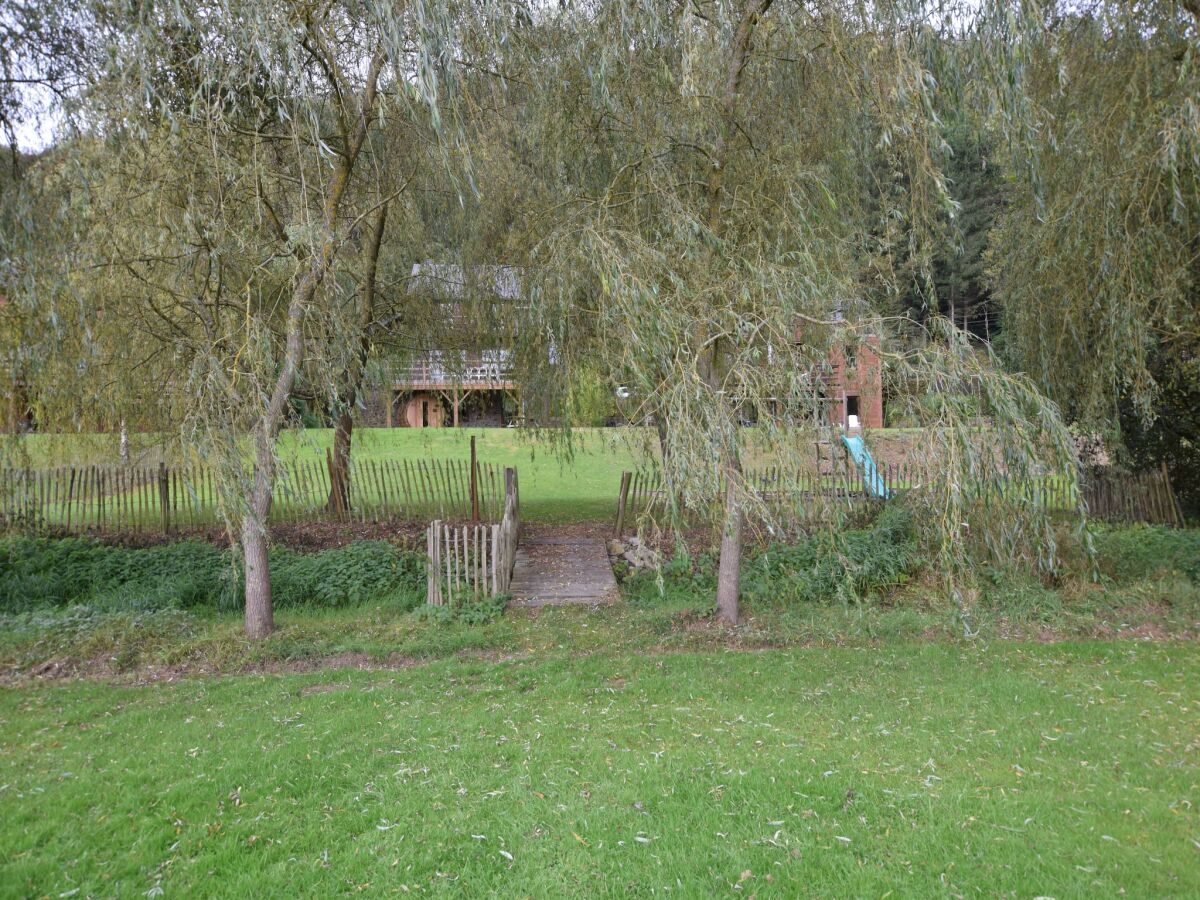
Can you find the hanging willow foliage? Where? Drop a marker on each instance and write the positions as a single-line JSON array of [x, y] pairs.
[[229, 154], [1096, 259], [727, 181], [705, 199]]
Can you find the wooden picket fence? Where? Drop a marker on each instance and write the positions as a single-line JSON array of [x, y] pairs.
[[476, 559], [85, 499], [803, 495], [1138, 497]]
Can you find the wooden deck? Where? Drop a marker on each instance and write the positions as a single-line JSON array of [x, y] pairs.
[[555, 569]]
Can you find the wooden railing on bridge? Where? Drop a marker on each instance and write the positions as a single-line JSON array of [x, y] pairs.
[[474, 559]]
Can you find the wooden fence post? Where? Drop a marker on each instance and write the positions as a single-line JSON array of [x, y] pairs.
[[622, 499], [474, 483], [164, 497]]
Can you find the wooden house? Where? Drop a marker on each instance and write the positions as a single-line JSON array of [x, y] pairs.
[[464, 381]]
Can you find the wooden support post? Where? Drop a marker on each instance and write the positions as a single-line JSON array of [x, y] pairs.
[[456, 401]]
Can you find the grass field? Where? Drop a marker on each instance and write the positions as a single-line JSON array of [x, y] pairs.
[[825, 747], [554, 487], [916, 769]]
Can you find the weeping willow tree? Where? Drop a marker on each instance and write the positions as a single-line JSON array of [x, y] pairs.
[[232, 158], [714, 234], [1096, 259]]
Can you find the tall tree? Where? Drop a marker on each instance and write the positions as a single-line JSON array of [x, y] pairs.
[[1096, 259], [712, 238], [232, 154]]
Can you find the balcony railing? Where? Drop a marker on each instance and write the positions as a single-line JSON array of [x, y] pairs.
[[488, 369]]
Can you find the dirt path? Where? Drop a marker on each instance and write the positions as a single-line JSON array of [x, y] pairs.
[[557, 565]]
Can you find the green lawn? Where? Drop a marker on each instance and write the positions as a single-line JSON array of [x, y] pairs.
[[914, 768], [554, 487]]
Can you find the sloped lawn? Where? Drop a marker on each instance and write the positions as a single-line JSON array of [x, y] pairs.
[[922, 769]]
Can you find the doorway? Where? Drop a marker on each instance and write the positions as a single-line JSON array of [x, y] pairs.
[[852, 414]]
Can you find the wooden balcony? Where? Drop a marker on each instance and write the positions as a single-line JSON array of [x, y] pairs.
[[486, 371]]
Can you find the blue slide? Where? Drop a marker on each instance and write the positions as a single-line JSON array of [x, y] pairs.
[[872, 480]]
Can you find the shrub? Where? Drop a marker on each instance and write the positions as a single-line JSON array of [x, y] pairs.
[[1144, 551], [38, 572], [847, 566], [358, 573]]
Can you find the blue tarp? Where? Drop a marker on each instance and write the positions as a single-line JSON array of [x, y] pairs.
[[872, 480]]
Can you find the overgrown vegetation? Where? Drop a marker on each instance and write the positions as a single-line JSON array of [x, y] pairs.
[[1142, 572], [848, 566], [865, 586], [37, 573]]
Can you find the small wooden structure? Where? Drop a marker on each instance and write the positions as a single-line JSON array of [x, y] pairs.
[[461, 377], [473, 560]]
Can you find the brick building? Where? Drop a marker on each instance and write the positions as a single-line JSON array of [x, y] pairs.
[[854, 389]]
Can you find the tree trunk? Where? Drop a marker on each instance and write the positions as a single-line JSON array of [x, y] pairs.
[[339, 482], [260, 620], [343, 432], [729, 575], [260, 616]]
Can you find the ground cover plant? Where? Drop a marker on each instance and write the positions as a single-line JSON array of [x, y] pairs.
[[1034, 770], [37, 573]]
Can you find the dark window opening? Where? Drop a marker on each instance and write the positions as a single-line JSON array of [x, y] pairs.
[[424, 413], [851, 407]]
